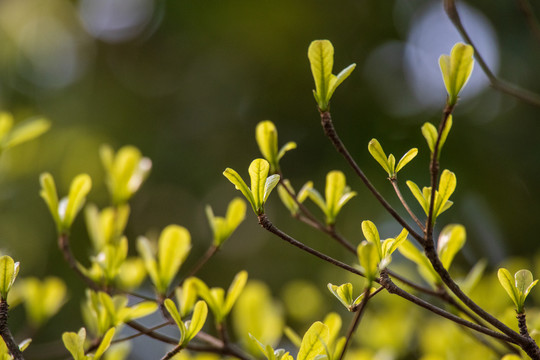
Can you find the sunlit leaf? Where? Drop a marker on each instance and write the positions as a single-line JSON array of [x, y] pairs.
[[80, 186], [425, 268], [507, 282], [236, 287], [447, 185], [456, 69], [105, 343], [285, 148], [405, 159], [451, 240], [173, 311], [267, 139], [369, 258], [418, 195], [25, 131], [8, 273], [186, 296], [200, 313], [239, 184], [145, 250], [335, 81], [321, 58], [269, 185], [284, 193], [344, 293], [430, 134], [313, 342], [49, 194], [74, 343], [174, 246], [372, 235]]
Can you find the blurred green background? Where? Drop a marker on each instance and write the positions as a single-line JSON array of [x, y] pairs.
[[187, 82]]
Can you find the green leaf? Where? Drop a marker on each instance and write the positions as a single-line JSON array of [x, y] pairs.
[[173, 311], [74, 343], [451, 240], [43, 298], [335, 188], [372, 235], [474, 276], [48, 193], [316, 197], [174, 246], [267, 138], [430, 134], [197, 321], [390, 245], [286, 197], [344, 293], [321, 58], [447, 185], [335, 81], [369, 258], [105, 343], [80, 186], [456, 69], [405, 159], [269, 185], [6, 123], [236, 213], [186, 296], [258, 172], [524, 283], [418, 195], [234, 291], [147, 253], [507, 282], [139, 310], [376, 150], [425, 268], [8, 273], [291, 145], [239, 184], [25, 131], [293, 337], [313, 342]]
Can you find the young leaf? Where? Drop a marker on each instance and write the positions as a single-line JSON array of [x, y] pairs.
[[258, 172], [105, 343], [48, 193], [173, 311], [80, 186], [335, 81], [74, 343], [405, 159], [507, 282], [418, 195], [321, 58], [368, 258], [451, 240], [456, 69], [234, 290], [314, 341], [372, 235], [286, 198], [376, 150], [239, 184], [425, 268], [524, 283], [174, 246], [291, 145], [25, 131], [447, 185], [267, 139], [269, 185], [200, 313], [186, 296], [8, 273], [344, 293]]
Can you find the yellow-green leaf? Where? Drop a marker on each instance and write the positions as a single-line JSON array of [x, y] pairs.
[[269, 185], [80, 186], [105, 343], [200, 313], [456, 69], [74, 343], [286, 197], [372, 235], [186, 296], [447, 185], [321, 58], [314, 341], [430, 134], [425, 268], [25, 131], [267, 139], [507, 282], [239, 184], [285, 148], [8, 273], [524, 283], [369, 258], [451, 240], [50, 196], [236, 213], [234, 290], [147, 253], [344, 293], [335, 81], [335, 186], [418, 195], [6, 123], [173, 311], [258, 172], [174, 246], [405, 159]]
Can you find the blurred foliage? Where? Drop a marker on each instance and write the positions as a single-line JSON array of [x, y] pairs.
[[188, 82]]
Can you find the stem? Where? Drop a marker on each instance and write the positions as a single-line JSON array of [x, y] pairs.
[[498, 84], [171, 353], [266, 224], [392, 288], [150, 333], [531, 19], [356, 321], [63, 245], [522, 324], [330, 131], [405, 205], [5, 333]]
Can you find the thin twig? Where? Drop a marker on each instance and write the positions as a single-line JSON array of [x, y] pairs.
[[530, 18], [498, 84], [330, 131], [404, 203], [356, 321], [63, 245], [173, 352]]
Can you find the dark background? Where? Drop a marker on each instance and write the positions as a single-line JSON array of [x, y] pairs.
[[187, 82]]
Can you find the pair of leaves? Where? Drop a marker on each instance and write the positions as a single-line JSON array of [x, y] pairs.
[[74, 343], [430, 133], [447, 185], [189, 329], [321, 58], [65, 210], [389, 163], [456, 70], [43, 298], [105, 226], [285, 191], [384, 248], [261, 184], [8, 273], [220, 303], [517, 287], [344, 293], [102, 312], [174, 245], [110, 260], [27, 130], [266, 136], [125, 171], [223, 227], [337, 194]]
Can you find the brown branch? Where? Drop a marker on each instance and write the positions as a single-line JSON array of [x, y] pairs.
[[530, 18], [171, 353], [498, 84], [63, 245], [404, 203], [330, 131], [356, 320], [5, 333]]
